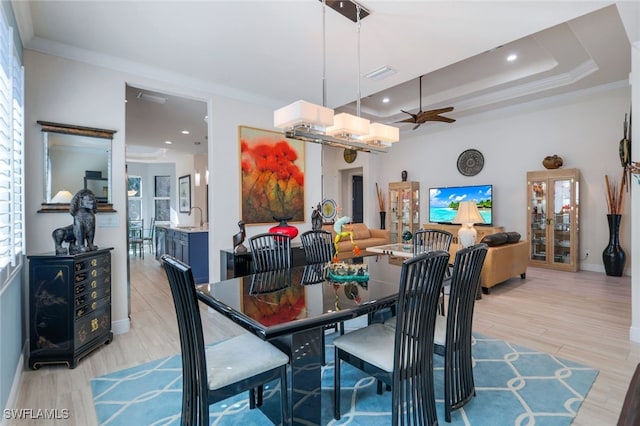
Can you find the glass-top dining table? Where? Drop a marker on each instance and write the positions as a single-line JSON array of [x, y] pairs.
[[290, 308]]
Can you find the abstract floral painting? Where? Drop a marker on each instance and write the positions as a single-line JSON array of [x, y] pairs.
[[272, 176]]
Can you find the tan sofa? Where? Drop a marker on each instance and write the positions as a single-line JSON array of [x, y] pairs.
[[502, 262], [363, 237]]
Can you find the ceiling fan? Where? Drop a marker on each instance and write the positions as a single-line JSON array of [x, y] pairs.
[[422, 117]]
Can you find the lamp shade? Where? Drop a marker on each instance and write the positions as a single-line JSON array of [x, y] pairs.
[[347, 124], [62, 197], [379, 132], [302, 113], [468, 213]]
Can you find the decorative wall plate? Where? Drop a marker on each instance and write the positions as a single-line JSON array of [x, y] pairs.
[[349, 155], [328, 209], [470, 162]]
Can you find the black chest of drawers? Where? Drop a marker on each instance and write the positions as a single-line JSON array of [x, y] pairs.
[[69, 306]]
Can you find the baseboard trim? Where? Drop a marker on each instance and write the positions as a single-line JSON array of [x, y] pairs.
[[16, 385], [121, 327]]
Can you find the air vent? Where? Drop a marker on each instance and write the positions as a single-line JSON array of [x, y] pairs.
[[380, 73], [151, 98]]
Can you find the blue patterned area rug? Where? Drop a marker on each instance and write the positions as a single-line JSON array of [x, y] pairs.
[[514, 386]]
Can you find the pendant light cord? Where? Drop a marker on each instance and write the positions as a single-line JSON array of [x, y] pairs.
[[358, 54], [324, 54]]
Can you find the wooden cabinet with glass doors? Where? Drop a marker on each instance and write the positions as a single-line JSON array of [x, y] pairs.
[[553, 218], [404, 206]]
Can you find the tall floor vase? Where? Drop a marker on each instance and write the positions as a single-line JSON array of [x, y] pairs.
[[613, 256], [383, 219]]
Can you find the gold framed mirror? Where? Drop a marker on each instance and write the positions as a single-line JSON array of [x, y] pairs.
[[75, 158]]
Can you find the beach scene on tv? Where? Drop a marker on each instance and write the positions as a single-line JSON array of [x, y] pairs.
[[443, 202]]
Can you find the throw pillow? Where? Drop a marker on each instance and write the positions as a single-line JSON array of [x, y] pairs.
[[494, 240], [513, 237], [360, 231]]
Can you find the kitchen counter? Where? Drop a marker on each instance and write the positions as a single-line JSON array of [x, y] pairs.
[[189, 244]]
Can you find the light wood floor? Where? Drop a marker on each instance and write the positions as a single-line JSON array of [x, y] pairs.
[[582, 316]]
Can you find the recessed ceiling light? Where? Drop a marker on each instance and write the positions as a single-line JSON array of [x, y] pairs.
[[512, 57], [168, 142], [185, 132], [385, 100]]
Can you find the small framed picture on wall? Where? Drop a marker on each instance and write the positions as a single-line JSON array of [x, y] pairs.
[[184, 193]]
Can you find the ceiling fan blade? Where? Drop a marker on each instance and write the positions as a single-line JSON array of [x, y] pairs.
[[434, 115], [442, 119], [416, 126], [406, 120], [413, 119], [440, 110], [423, 116]]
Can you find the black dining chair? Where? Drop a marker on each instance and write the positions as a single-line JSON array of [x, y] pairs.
[[401, 357], [216, 372], [318, 246], [270, 251], [452, 338], [425, 240]]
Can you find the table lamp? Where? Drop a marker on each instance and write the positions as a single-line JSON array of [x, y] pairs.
[[468, 214], [62, 197]]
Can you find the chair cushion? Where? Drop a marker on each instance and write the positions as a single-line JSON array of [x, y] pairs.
[[373, 344], [440, 333], [391, 322], [240, 357]]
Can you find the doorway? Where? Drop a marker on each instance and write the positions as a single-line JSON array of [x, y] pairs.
[[166, 136], [356, 199], [351, 194]]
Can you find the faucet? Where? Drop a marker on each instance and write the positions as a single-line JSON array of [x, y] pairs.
[[201, 221]]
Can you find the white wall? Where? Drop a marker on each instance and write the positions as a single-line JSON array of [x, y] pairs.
[[71, 92], [583, 128], [224, 174]]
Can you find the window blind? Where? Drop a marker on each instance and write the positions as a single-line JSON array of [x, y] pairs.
[[11, 155]]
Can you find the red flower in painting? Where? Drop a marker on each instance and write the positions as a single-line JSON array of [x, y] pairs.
[[272, 182], [276, 308]]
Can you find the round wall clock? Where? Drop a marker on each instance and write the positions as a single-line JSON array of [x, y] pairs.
[[349, 155], [470, 162]]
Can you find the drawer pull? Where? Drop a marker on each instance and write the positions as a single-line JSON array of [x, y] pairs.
[[94, 305], [94, 325], [94, 294], [94, 284]]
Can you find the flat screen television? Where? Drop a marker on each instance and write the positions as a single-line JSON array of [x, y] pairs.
[[443, 202]]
